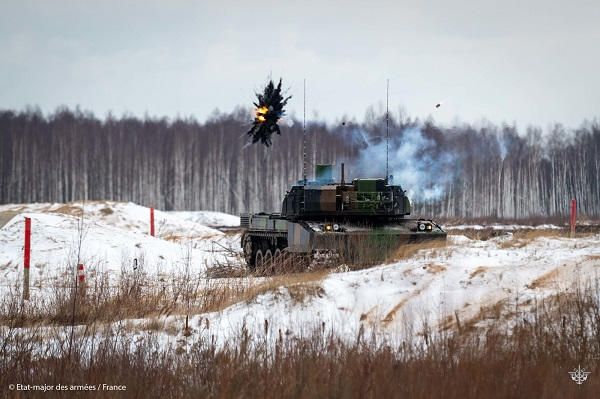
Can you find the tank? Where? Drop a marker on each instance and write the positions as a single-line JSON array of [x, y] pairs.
[[359, 222]]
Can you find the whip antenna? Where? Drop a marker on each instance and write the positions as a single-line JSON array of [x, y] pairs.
[[304, 135], [387, 131]]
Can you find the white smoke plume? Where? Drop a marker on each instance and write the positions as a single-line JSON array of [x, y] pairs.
[[415, 162]]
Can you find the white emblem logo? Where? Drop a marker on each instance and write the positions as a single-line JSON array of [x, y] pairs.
[[579, 375]]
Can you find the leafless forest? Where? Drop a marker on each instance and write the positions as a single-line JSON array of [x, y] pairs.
[[463, 171]]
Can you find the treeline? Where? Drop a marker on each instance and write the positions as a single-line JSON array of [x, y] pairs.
[[468, 172], [504, 174]]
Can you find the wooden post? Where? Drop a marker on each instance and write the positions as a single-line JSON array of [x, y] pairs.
[[152, 222], [26, 258], [573, 221]]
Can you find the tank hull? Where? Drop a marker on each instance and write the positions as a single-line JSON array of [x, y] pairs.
[[350, 241]]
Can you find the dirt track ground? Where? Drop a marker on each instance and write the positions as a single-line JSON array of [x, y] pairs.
[[6, 216]]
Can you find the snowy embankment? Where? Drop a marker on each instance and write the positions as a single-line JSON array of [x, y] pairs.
[[114, 239], [469, 281], [208, 218]]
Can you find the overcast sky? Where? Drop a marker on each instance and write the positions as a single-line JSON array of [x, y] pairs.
[[531, 62]]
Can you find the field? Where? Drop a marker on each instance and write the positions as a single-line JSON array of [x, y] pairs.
[[500, 311]]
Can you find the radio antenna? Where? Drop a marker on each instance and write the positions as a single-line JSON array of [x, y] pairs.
[[304, 136], [387, 131]]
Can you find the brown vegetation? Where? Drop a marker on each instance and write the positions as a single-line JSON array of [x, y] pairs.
[[521, 238], [479, 270], [392, 313], [409, 250], [106, 211], [530, 360], [545, 279], [69, 209], [137, 296]]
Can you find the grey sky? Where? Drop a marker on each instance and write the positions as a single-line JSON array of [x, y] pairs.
[[533, 62]]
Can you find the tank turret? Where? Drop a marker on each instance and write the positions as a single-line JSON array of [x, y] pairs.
[[365, 197]]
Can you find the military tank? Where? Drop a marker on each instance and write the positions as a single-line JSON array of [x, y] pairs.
[[358, 222]]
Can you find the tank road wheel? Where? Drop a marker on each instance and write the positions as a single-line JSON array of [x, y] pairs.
[[282, 264], [293, 266], [249, 257], [268, 262], [277, 254], [259, 261], [304, 262], [277, 258]]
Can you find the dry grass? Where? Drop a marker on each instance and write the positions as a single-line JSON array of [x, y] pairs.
[[106, 211], [521, 238], [392, 313], [477, 234], [434, 268], [138, 296], [299, 286], [69, 209], [409, 250], [479, 270], [546, 279], [303, 292], [530, 360]]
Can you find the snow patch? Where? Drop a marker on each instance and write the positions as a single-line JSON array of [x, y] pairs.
[[208, 218]]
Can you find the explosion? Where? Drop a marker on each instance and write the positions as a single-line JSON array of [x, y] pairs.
[[260, 113], [269, 109]]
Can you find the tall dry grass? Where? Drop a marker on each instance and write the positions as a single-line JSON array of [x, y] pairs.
[[529, 357], [139, 295]]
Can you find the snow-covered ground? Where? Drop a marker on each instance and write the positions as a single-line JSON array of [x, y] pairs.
[[113, 236], [131, 217], [209, 218], [465, 279]]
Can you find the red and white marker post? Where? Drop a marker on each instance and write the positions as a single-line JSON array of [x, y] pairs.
[[152, 222], [26, 258], [573, 220], [80, 273], [81, 278]]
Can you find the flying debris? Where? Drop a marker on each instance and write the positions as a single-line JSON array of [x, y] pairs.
[[269, 108]]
